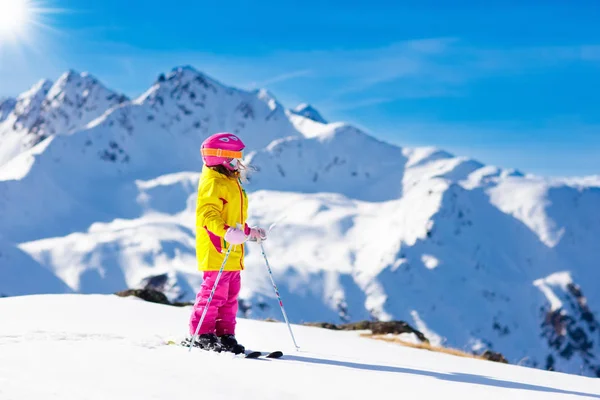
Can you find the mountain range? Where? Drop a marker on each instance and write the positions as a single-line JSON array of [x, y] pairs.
[[97, 194]]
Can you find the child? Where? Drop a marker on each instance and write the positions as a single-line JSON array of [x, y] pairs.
[[220, 213]]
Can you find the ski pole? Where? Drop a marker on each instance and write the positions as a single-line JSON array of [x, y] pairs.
[[262, 248], [212, 292]]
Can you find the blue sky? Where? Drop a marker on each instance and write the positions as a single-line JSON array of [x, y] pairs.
[[510, 83]]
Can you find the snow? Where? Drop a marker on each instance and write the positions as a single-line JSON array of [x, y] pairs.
[[307, 111], [545, 286], [323, 163], [526, 200], [48, 109], [7, 105], [430, 261], [19, 166], [561, 280], [364, 229], [424, 155], [434, 339], [103, 346]]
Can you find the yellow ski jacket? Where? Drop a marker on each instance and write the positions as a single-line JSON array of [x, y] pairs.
[[221, 203]]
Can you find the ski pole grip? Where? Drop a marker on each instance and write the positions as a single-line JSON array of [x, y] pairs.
[[241, 228]]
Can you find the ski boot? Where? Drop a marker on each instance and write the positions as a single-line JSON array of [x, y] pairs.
[[206, 341], [229, 343]]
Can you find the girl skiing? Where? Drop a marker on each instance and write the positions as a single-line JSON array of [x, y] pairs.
[[221, 213]]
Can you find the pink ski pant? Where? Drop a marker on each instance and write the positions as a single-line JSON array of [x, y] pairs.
[[220, 317]]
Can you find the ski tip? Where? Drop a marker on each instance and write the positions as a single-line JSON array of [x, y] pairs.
[[253, 354], [275, 354]]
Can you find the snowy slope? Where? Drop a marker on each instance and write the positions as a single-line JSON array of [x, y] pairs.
[[57, 347], [476, 256], [7, 105], [20, 274], [331, 162]]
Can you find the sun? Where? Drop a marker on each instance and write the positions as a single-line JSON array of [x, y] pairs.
[[22, 20], [14, 16]]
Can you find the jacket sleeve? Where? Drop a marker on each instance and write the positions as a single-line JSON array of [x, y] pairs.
[[209, 207]]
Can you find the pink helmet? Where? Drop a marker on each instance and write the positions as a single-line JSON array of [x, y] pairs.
[[222, 149]]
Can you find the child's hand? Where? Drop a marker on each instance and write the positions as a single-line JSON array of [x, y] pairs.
[[235, 236], [257, 234]]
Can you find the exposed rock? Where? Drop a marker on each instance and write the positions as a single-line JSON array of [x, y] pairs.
[[325, 325], [493, 356], [153, 296], [571, 331], [156, 282], [376, 327]]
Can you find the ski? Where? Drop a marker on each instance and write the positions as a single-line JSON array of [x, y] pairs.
[[257, 354], [275, 354], [248, 353]]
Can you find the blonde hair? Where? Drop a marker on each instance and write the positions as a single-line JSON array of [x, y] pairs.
[[240, 173]]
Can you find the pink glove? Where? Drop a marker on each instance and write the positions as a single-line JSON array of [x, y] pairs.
[[235, 236], [257, 234]]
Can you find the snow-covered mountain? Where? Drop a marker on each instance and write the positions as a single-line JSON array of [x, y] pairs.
[[49, 109], [57, 347], [475, 256]]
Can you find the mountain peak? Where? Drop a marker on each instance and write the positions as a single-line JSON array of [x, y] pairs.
[[73, 84], [69, 74], [76, 99], [187, 73], [308, 111], [181, 82], [48, 108], [186, 69]]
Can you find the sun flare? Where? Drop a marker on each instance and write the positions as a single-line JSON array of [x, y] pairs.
[[21, 21], [14, 16]]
